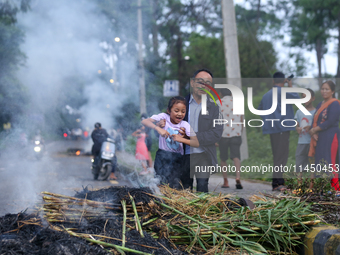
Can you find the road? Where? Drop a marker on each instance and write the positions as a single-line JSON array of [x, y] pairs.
[[22, 179]]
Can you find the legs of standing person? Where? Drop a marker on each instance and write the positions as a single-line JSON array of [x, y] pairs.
[[223, 146], [114, 165], [149, 145], [280, 148], [150, 159], [202, 177], [235, 155], [186, 178], [168, 167]]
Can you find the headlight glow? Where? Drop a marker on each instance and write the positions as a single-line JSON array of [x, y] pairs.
[[37, 149]]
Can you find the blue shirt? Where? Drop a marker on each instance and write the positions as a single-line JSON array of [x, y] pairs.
[[304, 120], [193, 115], [272, 127]]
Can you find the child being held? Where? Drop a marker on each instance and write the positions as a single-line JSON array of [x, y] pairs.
[[303, 126], [168, 162]]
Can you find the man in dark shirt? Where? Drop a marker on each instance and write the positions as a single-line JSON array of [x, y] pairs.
[[207, 134], [279, 135]]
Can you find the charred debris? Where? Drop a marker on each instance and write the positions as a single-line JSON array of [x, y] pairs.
[[122, 220]]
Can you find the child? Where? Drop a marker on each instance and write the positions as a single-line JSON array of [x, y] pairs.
[[303, 126], [168, 160], [141, 149]]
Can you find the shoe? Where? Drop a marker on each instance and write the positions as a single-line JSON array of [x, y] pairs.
[[238, 184], [224, 186], [280, 188]]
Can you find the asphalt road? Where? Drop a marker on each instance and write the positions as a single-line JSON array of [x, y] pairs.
[[23, 178]]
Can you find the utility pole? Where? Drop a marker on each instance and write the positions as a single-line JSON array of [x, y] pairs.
[[142, 99], [232, 58]]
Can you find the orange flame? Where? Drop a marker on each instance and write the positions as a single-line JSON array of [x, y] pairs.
[[78, 153]]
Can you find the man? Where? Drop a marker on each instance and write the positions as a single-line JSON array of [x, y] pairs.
[[98, 136], [207, 134], [279, 135]]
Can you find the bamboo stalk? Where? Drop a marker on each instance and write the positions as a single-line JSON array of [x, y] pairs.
[[136, 217], [124, 221], [149, 221], [237, 243], [117, 247]]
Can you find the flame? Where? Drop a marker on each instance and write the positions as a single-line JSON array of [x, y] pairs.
[[78, 153]]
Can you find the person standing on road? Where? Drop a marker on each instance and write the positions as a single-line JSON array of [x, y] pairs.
[[279, 134], [325, 133], [207, 134], [231, 138], [98, 136], [148, 140]]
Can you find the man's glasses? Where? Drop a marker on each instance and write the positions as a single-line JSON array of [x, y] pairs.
[[202, 82]]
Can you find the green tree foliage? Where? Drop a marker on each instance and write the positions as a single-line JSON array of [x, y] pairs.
[[256, 61], [309, 27], [12, 93]]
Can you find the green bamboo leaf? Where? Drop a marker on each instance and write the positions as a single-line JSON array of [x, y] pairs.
[[246, 229]]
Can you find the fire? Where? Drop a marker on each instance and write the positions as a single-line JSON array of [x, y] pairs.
[[78, 153]]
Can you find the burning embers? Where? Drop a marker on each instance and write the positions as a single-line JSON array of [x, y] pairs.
[[132, 220], [75, 152]]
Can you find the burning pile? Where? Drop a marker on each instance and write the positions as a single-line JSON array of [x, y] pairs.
[[123, 220]]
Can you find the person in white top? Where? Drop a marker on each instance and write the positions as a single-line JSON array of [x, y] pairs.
[[231, 138]]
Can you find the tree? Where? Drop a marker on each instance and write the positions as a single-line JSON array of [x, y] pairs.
[[13, 95]]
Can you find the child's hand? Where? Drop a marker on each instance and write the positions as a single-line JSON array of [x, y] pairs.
[[182, 133], [307, 128], [177, 138], [161, 123], [163, 132], [299, 130]]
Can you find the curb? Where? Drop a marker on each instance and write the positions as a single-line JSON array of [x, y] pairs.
[[324, 240]]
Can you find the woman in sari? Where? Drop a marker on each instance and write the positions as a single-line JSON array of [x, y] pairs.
[[325, 134]]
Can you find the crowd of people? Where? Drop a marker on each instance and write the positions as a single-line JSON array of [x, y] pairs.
[[188, 138]]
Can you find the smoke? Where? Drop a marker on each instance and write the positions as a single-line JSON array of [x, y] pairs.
[[66, 63]]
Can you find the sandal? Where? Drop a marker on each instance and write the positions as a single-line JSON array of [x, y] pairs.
[[224, 186], [280, 188], [238, 184]]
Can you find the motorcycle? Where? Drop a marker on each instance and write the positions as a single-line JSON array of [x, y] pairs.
[[106, 161], [38, 149]]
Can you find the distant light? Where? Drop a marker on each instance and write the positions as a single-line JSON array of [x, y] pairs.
[[78, 120], [65, 135], [99, 71], [186, 57], [112, 81], [107, 106], [117, 39]]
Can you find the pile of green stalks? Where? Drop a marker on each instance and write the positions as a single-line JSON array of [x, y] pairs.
[[196, 223], [213, 223]]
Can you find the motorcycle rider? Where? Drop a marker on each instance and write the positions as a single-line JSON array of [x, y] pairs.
[[98, 136]]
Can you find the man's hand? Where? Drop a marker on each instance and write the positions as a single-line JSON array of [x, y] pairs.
[[290, 83]]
